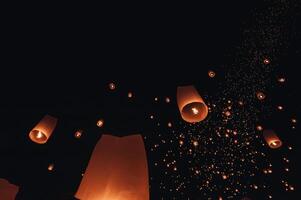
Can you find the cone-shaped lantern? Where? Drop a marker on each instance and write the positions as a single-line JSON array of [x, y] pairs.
[[272, 139], [7, 191], [43, 130], [191, 105], [117, 170]]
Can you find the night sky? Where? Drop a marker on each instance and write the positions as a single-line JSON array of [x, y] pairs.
[[62, 65]]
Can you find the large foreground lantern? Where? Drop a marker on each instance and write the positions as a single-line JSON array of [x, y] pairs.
[[117, 170], [7, 191], [43, 130], [272, 139], [191, 105]]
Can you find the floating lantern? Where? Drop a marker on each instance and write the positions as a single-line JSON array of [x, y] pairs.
[[43, 130], [281, 80], [112, 86], [266, 61], [260, 95], [50, 167], [100, 123], [117, 170], [7, 191], [272, 139], [78, 134], [130, 95], [259, 128], [191, 105], [167, 100], [211, 74]]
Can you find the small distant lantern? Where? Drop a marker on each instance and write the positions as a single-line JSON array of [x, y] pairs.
[[112, 86], [191, 105], [50, 167], [259, 128], [281, 80], [211, 74], [167, 100], [272, 139], [130, 95], [117, 170], [100, 123], [7, 191], [43, 130], [78, 134], [266, 61], [260, 95]]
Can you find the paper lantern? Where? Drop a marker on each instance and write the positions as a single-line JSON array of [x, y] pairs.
[[7, 191], [191, 105], [43, 130], [272, 139], [117, 170]]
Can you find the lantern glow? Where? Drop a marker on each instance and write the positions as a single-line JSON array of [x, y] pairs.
[[272, 139], [43, 130], [191, 105], [117, 170]]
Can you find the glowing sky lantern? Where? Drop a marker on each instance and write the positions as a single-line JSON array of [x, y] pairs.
[[272, 139], [117, 170], [7, 191], [43, 130], [191, 105]]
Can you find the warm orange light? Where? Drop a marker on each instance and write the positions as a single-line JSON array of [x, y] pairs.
[[50, 167], [100, 123], [78, 134], [266, 61], [43, 130], [7, 191], [117, 170], [112, 86], [130, 95], [191, 105], [272, 139], [211, 74], [260, 95]]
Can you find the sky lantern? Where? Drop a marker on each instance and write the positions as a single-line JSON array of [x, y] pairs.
[[117, 170], [272, 139], [43, 130], [7, 191], [191, 105]]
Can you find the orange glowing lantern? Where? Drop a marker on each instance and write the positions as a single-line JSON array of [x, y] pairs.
[[43, 130], [211, 74], [191, 105], [260, 95], [7, 191], [272, 139], [117, 170]]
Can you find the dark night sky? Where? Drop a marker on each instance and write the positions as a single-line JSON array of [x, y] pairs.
[[61, 64]]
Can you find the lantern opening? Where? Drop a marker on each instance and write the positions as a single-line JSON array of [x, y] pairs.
[[195, 112], [38, 136]]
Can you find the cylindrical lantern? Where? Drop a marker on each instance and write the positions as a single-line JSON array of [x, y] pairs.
[[7, 191], [191, 105], [117, 170], [43, 130], [272, 139]]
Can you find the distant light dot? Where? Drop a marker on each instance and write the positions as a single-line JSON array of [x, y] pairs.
[[211, 74], [100, 123], [112, 86], [195, 143], [181, 142], [169, 124], [156, 98], [259, 128], [152, 116], [255, 187], [294, 120], [266, 61], [78, 134], [227, 113], [167, 100], [260, 95], [280, 107], [130, 95], [281, 80], [292, 188], [50, 167], [240, 103], [224, 177]]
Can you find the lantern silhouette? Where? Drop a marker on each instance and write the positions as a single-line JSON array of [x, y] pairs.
[[191, 105], [7, 191], [43, 130], [117, 170], [272, 139]]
